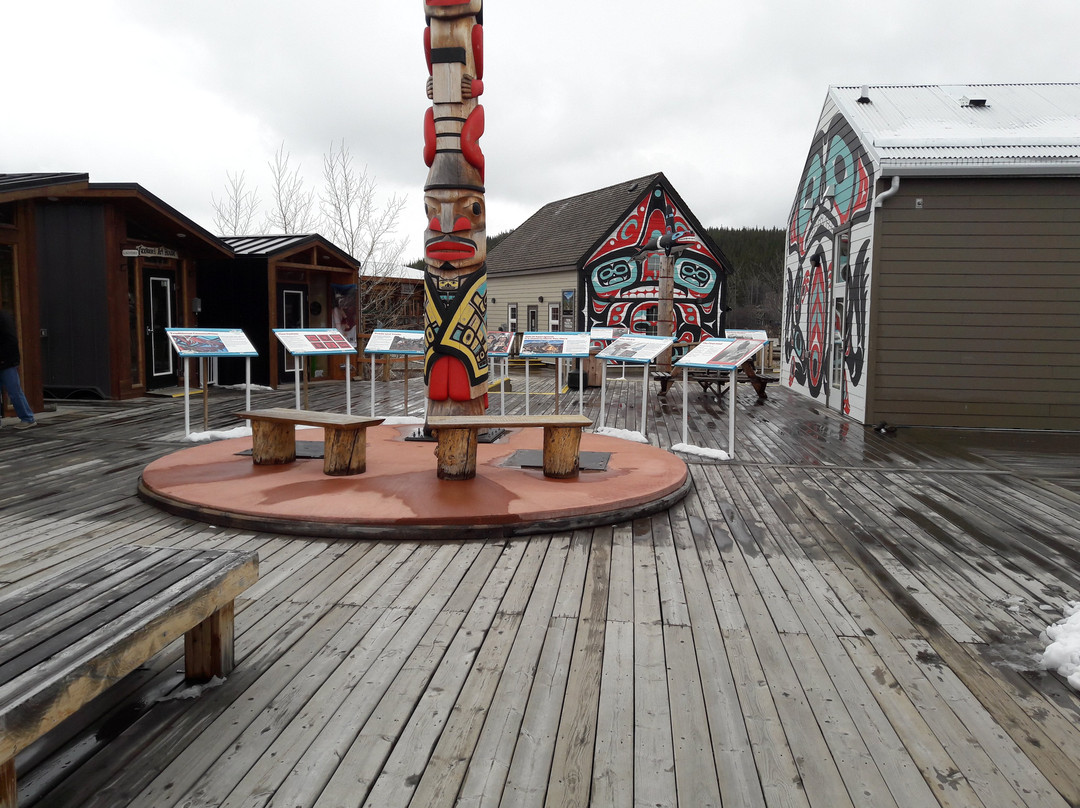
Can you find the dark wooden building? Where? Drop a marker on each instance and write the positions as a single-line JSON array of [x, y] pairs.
[[269, 282], [95, 273], [933, 269], [571, 266]]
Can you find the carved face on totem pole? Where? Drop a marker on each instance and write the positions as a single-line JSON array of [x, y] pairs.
[[455, 242], [456, 239]]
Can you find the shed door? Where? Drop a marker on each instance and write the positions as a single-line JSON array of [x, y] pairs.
[[159, 313], [292, 311]]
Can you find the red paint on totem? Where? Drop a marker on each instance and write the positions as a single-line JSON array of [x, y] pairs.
[[471, 133], [450, 250], [429, 137], [427, 48], [478, 50]]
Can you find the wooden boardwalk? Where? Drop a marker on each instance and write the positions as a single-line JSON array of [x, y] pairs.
[[835, 618]]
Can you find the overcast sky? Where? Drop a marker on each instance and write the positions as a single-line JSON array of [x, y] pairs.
[[722, 97]]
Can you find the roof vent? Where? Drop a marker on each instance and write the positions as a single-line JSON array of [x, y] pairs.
[[864, 94], [972, 102]]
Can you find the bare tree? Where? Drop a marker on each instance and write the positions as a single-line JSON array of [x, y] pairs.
[[234, 213], [356, 222], [292, 206]]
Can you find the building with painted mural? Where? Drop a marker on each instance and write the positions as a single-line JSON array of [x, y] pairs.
[[933, 259], [577, 263]]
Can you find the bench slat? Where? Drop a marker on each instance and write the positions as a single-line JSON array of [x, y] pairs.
[[17, 604], [36, 700], [505, 421], [111, 599], [310, 418]]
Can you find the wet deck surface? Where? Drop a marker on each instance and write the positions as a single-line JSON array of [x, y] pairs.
[[836, 617]]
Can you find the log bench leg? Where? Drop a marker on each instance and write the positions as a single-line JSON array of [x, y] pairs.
[[208, 648], [344, 451], [272, 443], [8, 792], [456, 453], [561, 451]]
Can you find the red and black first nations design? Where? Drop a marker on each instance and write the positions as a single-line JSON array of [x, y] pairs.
[[455, 243], [622, 291]]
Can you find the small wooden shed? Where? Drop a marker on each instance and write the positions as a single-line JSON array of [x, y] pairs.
[[285, 281], [95, 273], [933, 268]]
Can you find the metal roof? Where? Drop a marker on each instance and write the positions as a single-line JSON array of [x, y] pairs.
[[983, 129], [266, 245], [22, 182]]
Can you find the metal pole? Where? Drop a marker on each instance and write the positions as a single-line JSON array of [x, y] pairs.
[[205, 395], [187, 397], [603, 390], [296, 382], [247, 382], [372, 382], [731, 415], [526, 385], [348, 384], [644, 394], [684, 416], [581, 388]]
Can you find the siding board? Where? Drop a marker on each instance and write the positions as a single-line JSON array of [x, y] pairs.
[[977, 318]]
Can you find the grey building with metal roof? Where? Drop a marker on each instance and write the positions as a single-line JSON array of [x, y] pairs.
[[933, 266]]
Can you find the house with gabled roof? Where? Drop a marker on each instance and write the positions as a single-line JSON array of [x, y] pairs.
[[578, 263], [932, 275], [94, 273]]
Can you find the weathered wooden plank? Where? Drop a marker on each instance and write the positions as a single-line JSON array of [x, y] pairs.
[[939, 771], [983, 729], [572, 759]]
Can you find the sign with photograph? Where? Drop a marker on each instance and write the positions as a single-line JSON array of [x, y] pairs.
[[499, 343], [386, 341], [210, 342], [603, 333], [638, 348], [723, 354], [556, 344], [313, 341]]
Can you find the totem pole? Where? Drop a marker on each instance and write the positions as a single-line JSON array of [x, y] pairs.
[[455, 242]]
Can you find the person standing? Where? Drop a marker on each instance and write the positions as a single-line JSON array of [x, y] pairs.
[[9, 371]]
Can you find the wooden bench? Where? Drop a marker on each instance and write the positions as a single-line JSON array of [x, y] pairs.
[[457, 435], [67, 639], [273, 438]]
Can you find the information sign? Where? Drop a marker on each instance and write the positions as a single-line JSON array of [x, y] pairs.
[[395, 342], [721, 354], [556, 344], [313, 341], [639, 348], [210, 342]]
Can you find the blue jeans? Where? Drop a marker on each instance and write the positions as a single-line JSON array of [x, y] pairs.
[[9, 383]]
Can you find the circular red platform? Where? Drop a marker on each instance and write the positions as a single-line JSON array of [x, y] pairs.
[[400, 496]]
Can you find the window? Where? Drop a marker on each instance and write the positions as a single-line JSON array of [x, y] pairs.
[[569, 318], [554, 317], [511, 317]]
